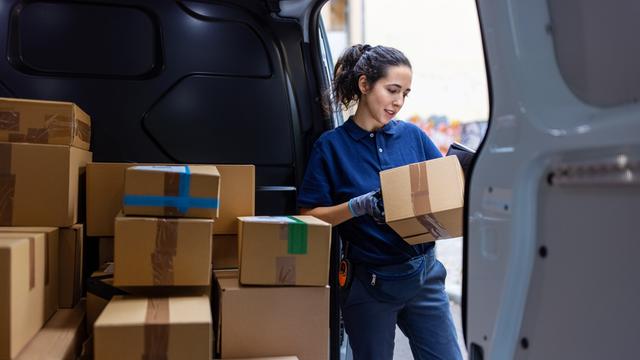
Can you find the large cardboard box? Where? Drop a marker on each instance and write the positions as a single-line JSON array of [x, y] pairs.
[[39, 184], [224, 251], [154, 328], [22, 304], [44, 122], [52, 261], [257, 321], [61, 338], [71, 243], [105, 190], [424, 201], [172, 190], [284, 250], [162, 251]]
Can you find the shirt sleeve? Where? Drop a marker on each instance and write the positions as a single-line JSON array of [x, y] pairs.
[[316, 187], [430, 149]]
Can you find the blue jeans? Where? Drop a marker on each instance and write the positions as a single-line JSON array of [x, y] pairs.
[[410, 295]]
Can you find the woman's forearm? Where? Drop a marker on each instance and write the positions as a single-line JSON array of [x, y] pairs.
[[334, 215]]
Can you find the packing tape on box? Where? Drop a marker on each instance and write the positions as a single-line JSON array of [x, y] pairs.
[[419, 188], [156, 329], [7, 185], [286, 270], [55, 126], [176, 199], [58, 126], [419, 180], [10, 120], [82, 131], [297, 232], [165, 251]]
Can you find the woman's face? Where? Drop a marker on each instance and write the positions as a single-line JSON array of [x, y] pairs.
[[383, 101]]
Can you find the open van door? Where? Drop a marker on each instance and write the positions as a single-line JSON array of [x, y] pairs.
[[552, 244]]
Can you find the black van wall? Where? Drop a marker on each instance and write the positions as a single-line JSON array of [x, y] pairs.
[[171, 81]]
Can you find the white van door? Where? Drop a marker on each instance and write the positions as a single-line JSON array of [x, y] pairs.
[[553, 244]]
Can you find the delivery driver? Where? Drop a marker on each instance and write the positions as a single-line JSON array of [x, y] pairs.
[[392, 282]]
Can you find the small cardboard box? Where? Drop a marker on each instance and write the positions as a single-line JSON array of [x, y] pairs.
[[52, 261], [105, 190], [39, 184], [162, 251], [424, 201], [71, 243], [172, 190], [284, 250], [154, 328], [224, 252], [276, 321], [60, 338], [22, 295], [44, 122]]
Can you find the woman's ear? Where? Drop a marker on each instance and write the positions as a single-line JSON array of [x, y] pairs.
[[363, 84]]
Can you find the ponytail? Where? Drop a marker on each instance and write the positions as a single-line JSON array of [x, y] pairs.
[[358, 60]]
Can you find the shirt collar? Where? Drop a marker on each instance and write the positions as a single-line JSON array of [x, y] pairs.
[[357, 133]]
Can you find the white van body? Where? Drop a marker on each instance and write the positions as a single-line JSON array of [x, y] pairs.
[[552, 242]]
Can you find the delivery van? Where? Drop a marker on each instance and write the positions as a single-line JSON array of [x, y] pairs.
[[552, 196]]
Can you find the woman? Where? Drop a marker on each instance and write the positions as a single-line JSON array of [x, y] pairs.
[[393, 282]]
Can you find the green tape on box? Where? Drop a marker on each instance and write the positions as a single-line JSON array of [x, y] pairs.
[[297, 241]]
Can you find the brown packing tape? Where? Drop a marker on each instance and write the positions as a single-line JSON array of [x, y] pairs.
[[32, 262], [7, 185], [165, 251], [433, 226], [58, 125], [286, 270], [37, 135], [283, 232], [83, 131], [10, 120], [156, 329], [285, 265], [419, 180], [171, 188], [419, 188]]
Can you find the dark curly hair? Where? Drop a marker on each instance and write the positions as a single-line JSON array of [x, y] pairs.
[[362, 59]]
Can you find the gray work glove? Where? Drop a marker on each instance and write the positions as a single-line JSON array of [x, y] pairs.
[[370, 204]]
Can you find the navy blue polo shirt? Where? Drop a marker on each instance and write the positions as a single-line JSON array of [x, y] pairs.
[[345, 162]]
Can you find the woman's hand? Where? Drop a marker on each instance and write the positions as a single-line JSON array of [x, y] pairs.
[[369, 204]]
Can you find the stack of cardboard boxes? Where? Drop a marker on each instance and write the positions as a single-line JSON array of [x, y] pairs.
[[278, 301], [43, 154], [105, 193], [162, 240]]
